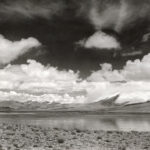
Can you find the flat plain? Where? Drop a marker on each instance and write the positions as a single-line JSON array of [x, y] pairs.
[[33, 137]]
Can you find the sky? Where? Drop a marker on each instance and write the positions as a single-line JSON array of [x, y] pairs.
[[72, 51]]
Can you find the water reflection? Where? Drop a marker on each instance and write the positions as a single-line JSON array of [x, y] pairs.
[[90, 122]]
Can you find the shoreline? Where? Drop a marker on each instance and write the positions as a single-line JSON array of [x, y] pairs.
[[76, 112]]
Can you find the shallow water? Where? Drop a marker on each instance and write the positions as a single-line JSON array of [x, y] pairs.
[[83, 122]]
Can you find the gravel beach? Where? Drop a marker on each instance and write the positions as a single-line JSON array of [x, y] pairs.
[[32, 137]]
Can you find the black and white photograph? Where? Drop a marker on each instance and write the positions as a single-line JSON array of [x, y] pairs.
[[74, 74]]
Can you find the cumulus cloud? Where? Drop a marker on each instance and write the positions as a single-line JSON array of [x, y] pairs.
[[132, 82], [100, 40], [137, 70], [11, 50], [35, 72], [35, 82], [106, 74]]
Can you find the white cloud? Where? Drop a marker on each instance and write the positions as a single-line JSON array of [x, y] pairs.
[[25, 97], [11, 50], [38, 71], [35, 72], [106, 74], [35, 82], [138, 70], [107, 82], [101, 40], [35, 78], [130, 92]]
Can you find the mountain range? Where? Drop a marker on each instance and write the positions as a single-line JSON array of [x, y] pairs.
[[107, 105]]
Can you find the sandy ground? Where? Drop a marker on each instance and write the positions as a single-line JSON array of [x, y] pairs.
[[29, 137]]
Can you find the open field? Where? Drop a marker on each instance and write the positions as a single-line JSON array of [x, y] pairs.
[[32, 137]]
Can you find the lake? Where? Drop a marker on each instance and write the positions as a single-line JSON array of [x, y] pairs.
[[105, 122]]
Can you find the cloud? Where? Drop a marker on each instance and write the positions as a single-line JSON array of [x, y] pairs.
[[100, 40], [106, 74], [50, 98], [132, 82], [30, 9], [36, 72], [101, 13], [117, 15], [132, 53], [36, 82], [130, 92], [11, 50], [104, 18], [35, 77], [137, 70]]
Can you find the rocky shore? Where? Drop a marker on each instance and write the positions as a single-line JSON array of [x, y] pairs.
[[31, 137]]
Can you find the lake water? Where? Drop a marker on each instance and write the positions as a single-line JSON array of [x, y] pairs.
[[84, 122]]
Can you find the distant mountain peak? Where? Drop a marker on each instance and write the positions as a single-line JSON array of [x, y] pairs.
[[109, 101]]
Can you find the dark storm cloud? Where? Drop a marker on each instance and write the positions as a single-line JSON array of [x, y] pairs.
[[100, 13], [118, 14], [30, 8], [59, 24]]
